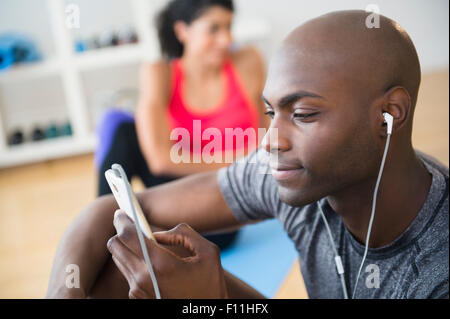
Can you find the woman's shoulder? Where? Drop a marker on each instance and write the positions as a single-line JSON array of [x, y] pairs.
[[250, 67], [158, 69], [156, 75], [248, 59]]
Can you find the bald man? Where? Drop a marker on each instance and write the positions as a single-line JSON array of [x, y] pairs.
[[326, 91]]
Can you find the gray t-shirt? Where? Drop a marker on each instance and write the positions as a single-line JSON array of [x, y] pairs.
[[415, 265]]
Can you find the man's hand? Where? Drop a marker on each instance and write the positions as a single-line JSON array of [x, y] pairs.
[[197, 274]]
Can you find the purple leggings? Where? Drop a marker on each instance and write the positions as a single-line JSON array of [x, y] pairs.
[[106, 130]]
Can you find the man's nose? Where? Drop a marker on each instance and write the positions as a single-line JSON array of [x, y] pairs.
[[276, 138]]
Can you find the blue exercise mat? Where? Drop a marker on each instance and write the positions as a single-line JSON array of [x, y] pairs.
[[262, 256]]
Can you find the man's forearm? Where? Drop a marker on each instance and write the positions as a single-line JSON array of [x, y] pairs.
[[83, 245]]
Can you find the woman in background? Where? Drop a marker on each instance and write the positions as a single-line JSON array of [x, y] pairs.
[[199, 78]]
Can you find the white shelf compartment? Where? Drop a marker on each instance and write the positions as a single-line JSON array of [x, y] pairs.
[[46, 149], [106, 57], [29, 71]]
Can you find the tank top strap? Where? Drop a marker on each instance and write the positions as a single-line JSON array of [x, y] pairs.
[[236, 84], [228, 67], [176, 76]]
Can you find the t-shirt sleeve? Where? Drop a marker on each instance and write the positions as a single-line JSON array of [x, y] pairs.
[[429, 288], [432, 268], [248, 188]]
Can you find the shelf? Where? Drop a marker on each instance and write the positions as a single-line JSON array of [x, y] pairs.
[[46, 150], [81, 74], [106, 57], [29, 71], [99, 58]]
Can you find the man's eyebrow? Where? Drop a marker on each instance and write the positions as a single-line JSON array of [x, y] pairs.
[[291, 98]]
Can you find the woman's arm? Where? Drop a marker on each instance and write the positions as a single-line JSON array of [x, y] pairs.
[[152, 126]]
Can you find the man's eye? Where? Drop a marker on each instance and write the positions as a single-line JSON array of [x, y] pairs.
[[304, 116], [270, 114]]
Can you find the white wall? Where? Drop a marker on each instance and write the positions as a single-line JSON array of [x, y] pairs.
[[28, 17], [427, 22]]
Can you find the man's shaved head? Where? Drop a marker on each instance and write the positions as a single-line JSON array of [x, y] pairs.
[[376, 58], [326, 89], [380, 57]]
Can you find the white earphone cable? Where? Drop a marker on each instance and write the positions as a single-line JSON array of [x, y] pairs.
[[141, 237], [337, 258], [374, 202]]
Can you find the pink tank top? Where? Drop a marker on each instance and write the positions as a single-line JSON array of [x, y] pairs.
[[234, 111]]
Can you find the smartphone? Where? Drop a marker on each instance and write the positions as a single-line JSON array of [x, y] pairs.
[[125, 197]]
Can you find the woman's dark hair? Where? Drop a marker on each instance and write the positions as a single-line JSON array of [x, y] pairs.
[[184, 10]]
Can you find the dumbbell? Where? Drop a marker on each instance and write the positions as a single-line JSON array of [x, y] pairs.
[[37, 134], [16, 137]]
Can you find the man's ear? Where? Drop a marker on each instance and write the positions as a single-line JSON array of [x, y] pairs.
[[396, 102], [180, 30]]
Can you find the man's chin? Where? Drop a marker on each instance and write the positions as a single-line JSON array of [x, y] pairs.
[[295, 197]]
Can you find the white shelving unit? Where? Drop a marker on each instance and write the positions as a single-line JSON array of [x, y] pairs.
[[69, 67], [35, 70]]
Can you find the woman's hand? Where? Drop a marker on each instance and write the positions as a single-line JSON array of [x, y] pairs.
[[186, 265]]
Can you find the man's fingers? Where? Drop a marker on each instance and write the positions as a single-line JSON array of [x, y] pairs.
[[132, 267], [135, 291], [127, 234], [126, 230], [123, 254], [122, 268]]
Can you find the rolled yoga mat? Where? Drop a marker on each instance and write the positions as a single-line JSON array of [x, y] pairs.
[[16, 48]]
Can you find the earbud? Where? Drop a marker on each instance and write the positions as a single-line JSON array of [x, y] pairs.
[[389, 120]]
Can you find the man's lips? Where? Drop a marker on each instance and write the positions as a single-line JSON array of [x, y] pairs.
[[283, 172]]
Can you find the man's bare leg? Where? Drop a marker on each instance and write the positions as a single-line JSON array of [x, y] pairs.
[[237, 289], [110, 284]]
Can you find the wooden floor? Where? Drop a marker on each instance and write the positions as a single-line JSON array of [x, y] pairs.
[[39, 201]]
